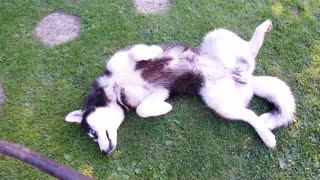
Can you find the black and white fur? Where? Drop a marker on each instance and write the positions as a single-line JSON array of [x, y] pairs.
[[142, 77]]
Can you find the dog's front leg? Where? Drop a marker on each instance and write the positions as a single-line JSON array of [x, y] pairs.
[[143, 52], [154, 104]]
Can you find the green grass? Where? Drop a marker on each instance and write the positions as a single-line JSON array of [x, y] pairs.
[[44, 84]]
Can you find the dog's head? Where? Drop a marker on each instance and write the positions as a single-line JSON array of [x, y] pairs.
[[100, 116]]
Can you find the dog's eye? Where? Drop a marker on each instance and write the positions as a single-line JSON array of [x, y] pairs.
[[92, 132]]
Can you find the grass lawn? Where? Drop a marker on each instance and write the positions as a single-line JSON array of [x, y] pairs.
[[43, 84]]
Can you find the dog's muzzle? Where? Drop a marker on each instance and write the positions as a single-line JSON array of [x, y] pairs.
[[108, 151]]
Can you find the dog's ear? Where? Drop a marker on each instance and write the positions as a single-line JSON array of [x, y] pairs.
[[75, 116]]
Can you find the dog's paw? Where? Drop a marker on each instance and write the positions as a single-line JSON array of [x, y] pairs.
[[266, 26], [269, 25], [143, 52], [155, 50], [165, 108], [268, 138], [147, 109]]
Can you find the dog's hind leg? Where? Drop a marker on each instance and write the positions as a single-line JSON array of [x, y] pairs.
[[227, 103], [247, 115], [154, 104], [143, 52], [258, 37]]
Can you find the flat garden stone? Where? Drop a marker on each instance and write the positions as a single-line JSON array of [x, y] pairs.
[[57, 28], [151, 6]]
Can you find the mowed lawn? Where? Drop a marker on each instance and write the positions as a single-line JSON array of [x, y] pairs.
[[43, 84]]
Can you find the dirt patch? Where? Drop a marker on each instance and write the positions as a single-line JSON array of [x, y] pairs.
[[57, 28], [151, 6], [2, 95], [295, 12]]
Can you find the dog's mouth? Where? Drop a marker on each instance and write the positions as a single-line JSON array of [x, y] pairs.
[[106, 152], [109, 151]]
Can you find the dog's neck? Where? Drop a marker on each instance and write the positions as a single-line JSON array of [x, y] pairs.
[[120, 96]]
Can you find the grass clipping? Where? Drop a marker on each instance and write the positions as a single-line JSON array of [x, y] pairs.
[[2, 95]]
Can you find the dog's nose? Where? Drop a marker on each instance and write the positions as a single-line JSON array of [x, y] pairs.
[[104, 152]]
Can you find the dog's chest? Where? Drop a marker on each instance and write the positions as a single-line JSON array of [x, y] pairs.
[[134, 87]]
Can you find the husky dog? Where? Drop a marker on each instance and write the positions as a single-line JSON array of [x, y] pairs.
[[220, 70]]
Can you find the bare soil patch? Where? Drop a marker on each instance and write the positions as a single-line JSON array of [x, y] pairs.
[[295, 12]]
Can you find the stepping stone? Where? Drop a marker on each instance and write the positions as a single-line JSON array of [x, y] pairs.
[[2, 95], [57, 28], [151, 6]]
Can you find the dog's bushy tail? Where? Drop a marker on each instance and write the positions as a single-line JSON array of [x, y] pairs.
[[279, 94]]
